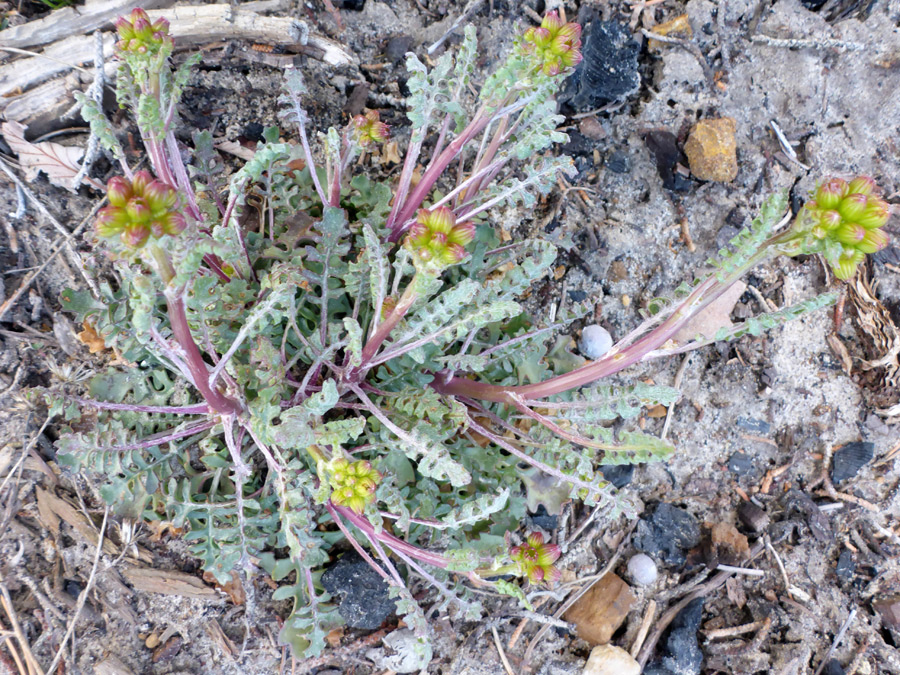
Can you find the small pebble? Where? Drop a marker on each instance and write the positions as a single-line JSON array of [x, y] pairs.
[[642, 569], [611, 660], [595, 342], [849, 459]]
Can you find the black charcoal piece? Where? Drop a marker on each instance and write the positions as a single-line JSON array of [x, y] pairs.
[[849, 459], [619, 475], [365, 598], [845, 567], [667, 534], [608, 72]]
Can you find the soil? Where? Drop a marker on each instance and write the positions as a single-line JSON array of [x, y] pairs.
[[759, 418]]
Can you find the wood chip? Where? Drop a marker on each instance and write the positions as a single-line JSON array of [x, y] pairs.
[[167, 582]]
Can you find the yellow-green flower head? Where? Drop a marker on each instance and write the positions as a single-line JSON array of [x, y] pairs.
[[436, 240], [139, 209], [555, 46], [535, 559], [369, 129], [138, 35], [843, 222], [352, 483]]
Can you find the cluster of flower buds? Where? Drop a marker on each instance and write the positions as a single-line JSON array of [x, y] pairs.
[[555, 46], [352, 483], [534, 559], [436, 240], [139, 209], [138, 35], [369, 129], [843, 221]]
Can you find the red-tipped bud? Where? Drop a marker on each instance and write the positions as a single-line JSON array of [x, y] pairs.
[[118, 191], [852, 206], [830, 193], [863, 185], [875, 215], [534, 559], [139, 208], [462, 233], [873, 241], [370, 129], [829, 219], [850, 233], [135, 235]]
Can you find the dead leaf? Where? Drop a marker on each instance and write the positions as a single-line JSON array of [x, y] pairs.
[[234, 589], [91, 339], [58, 162], [236, 149], [717, 315], [334, 636], [161, 528], [390, 154], [167, 582]]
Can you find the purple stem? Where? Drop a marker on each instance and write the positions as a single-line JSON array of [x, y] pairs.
[[159, 440], [198, 409]]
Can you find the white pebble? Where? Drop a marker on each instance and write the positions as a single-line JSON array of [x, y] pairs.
[[610, 660], [642, 569], [595, 342]]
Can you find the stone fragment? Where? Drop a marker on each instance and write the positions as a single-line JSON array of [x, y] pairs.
[[712, 151], [663, 145], [365, 596], [619, 475], [729, 545], [845, 566], [595, 342], [611, 660], [642, 569], [598, 613], [889, 609], [740, 463], [667, 534], [752, 517], [849, 459], [608, 72], [681, 653]]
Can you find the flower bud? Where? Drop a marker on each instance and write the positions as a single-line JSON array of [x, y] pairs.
[[830, 193], [875, 215], [850, 233], [369, 129], [863, 185], [137, 35], [534, 559], [139, 208], [554, 46], [843, 221], [353, 484], [873, 241], [118, 191], [436, 240], [852, 206]]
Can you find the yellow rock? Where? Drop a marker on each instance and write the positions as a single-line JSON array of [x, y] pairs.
[[711, 150], [610, 660], [679, 27]]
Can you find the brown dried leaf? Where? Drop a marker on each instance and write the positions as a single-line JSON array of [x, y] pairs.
[[58, 162], [167, 582], [234, 588], [91, 339], [390, 154], [717, 315]]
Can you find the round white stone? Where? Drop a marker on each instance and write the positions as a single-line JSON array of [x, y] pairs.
[[611, 660], [642, 569], [595, 342]]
